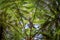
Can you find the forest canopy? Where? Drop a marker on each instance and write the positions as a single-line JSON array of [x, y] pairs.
[[29, 19]]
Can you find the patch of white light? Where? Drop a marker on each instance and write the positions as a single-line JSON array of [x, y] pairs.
[[26, 26], [38, 37], [35, 25]]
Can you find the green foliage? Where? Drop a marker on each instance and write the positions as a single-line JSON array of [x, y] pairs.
[[24, 19]]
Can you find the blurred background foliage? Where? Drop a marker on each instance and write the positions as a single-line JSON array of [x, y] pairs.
[[29, 19]]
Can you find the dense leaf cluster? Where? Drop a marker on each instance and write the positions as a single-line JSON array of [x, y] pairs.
[[30, 19]]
